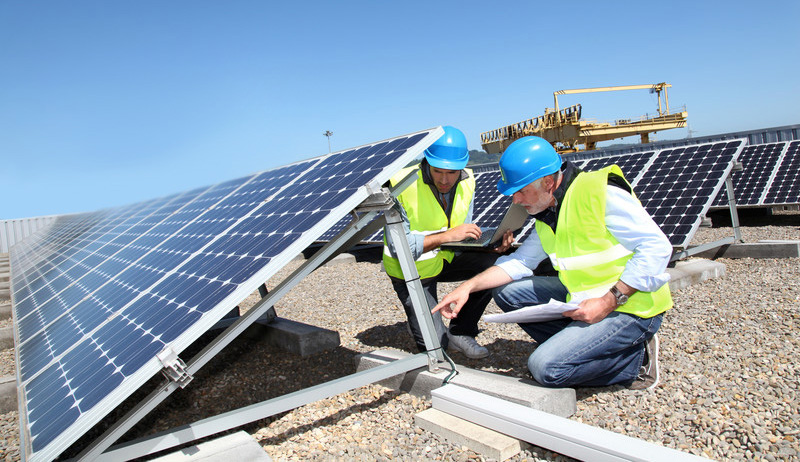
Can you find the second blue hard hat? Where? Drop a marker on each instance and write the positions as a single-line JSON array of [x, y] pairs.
[[449, 151], [525, 161]]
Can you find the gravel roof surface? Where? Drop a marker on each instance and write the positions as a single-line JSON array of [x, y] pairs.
[[729, 387]]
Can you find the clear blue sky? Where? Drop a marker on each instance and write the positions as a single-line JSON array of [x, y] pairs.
[[105, 103]]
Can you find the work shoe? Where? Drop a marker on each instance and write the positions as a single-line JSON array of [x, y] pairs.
[[467, 345], [648, 373]]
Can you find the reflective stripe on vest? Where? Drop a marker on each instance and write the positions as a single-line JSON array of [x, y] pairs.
[[426, 216], [586, 261], [589, 259]]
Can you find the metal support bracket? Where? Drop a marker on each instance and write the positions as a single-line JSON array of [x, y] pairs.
[[378, 200], [394, 226], [737, 231], [174, 367]]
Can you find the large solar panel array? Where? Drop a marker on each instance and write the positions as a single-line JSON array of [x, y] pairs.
[[675, 185], [98, 297]]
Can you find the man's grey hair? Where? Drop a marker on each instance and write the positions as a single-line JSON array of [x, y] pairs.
[[538, 182]]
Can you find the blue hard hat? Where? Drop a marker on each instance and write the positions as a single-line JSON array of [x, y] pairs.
[[525, 161], [449, 151]]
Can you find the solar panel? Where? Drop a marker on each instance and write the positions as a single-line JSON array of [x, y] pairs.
[[101, 297], [784, 187], [759, 162], [489, 206], [680, 184], [677, 185]]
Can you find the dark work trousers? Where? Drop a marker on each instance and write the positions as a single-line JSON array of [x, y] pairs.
[[464, 266]]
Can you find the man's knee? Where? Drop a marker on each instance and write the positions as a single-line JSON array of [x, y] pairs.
[[548, 371], [501, 299]]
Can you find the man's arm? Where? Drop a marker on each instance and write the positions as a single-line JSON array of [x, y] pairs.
[[455, 234], [420, 243], [596, 309], [458, 233], [452, 303], [506, 269]]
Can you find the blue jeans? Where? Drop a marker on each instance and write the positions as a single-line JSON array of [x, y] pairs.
[[574, 353]]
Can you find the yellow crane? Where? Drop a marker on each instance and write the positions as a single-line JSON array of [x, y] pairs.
[[565, 129]]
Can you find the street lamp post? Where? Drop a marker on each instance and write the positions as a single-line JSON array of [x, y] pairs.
[[328, 133]]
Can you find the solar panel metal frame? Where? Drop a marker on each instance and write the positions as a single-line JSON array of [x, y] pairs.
[[153, 366]]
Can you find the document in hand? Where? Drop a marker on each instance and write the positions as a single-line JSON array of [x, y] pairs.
[[536, 313]]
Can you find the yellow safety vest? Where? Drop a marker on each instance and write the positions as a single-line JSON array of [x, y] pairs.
[[426, 216], [588, 258]]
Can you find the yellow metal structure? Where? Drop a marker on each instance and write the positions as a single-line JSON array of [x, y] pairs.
[[566, 131]]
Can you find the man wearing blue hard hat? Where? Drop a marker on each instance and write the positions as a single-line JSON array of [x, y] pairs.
[[611, 260], [437, 209]]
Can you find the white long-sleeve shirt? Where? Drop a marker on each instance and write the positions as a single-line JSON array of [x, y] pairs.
[[631, 225]]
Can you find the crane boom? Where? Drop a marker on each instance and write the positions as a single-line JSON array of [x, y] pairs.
[[656, 87]]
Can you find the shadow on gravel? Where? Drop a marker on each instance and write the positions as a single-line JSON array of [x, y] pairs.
[[582, 394], [247, 371], [331, 420], [754, 217], [388, 336], [507, 357]]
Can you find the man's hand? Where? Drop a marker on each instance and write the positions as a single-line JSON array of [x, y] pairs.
[[505, 244], [458, 233], [452, 303], [593, 310], [463, 231]]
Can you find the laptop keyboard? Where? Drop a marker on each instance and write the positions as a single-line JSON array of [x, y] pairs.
[[486, 235]]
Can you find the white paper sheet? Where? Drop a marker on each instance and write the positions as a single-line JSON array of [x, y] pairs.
[[536, 313]]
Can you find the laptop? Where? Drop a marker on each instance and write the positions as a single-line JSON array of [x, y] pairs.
[[513, 220]]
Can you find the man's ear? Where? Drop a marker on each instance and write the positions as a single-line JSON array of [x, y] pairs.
[[549, 182]]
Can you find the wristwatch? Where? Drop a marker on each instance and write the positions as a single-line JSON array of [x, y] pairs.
[[621, 298]]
